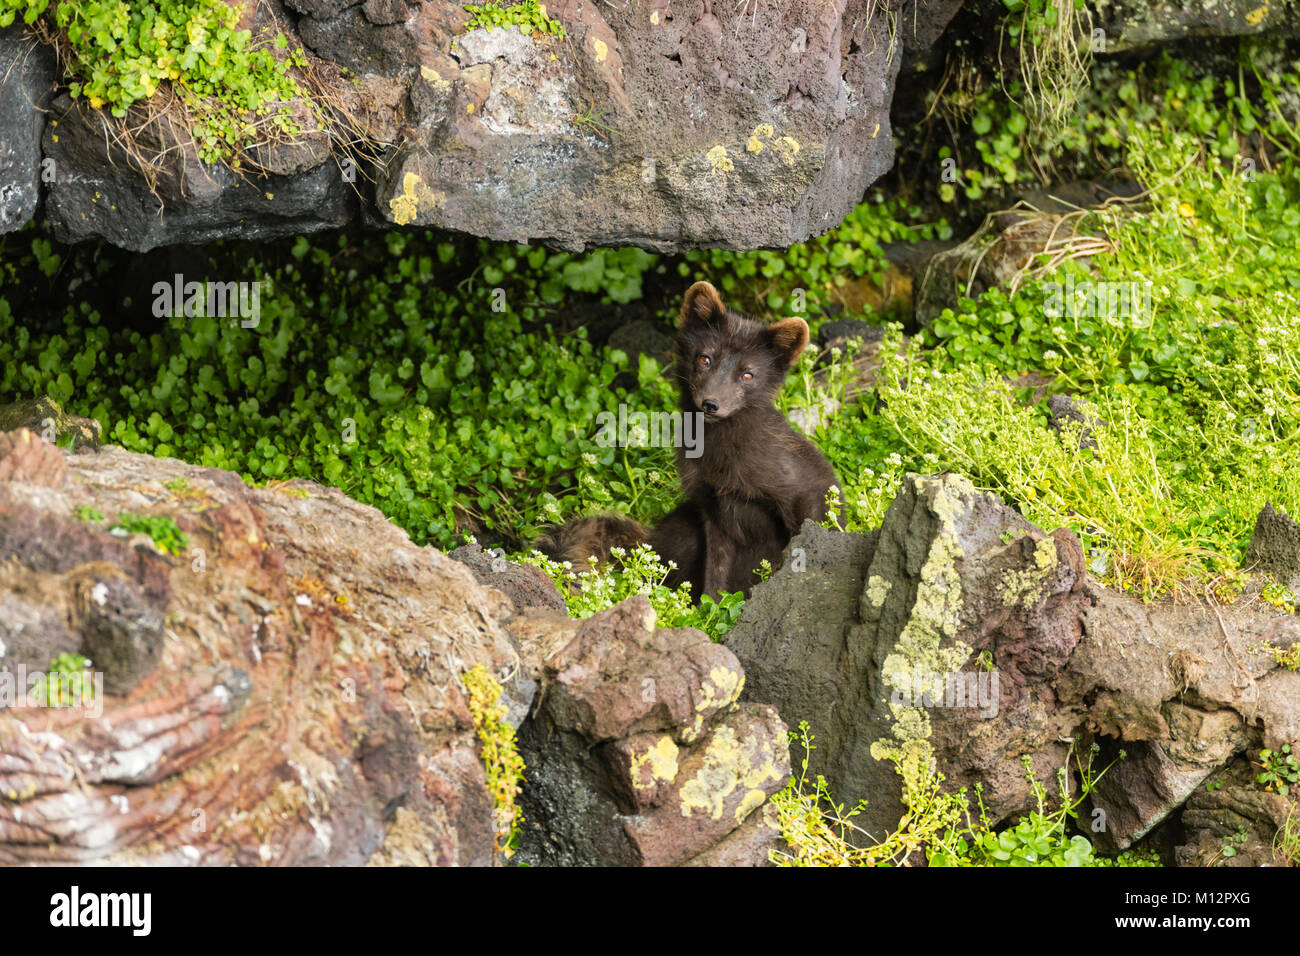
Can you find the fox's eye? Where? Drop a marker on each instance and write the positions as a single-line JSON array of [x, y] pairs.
[[705, 361], [746, 376]]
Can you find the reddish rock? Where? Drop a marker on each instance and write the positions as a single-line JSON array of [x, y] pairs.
[[284, 691]]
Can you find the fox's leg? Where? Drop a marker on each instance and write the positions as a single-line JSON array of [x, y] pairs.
[[679, 538], [809, 504], [719, 556]]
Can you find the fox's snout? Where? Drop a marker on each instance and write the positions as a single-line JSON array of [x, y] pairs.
[[716, 400]]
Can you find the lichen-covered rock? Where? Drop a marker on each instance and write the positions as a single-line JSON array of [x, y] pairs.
[[1274, 548], [638, 753], [719, 783], [44, 417], [1125, 25], [881, 652], [282, 687], [707, 125], [963, 639], [666, 126], [750, 844]]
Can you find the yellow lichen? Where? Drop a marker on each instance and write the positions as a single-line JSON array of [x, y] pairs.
[[788, 148], [1023, 588], [656, 764], [877, 589], [761, 131], [719, 159], [434, 77], [1256, 16], [919, 649], [602, 50], [405, 206], [728, 766], [751, 802], [722, 687]]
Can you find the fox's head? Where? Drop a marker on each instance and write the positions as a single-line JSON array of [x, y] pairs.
[[727, 362]]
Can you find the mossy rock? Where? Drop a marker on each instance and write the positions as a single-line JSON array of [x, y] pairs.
[[39, 415]]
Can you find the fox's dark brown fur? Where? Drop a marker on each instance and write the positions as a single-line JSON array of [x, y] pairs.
[[756, 479]]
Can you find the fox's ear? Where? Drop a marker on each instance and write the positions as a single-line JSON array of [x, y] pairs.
[[787, 339], [702, 306]]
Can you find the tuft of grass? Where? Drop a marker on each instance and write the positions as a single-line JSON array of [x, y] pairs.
[[1286, 842]]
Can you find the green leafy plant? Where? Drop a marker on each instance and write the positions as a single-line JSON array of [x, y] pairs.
[[591, 120], [1047, 35], [89, 514], [1277, 595], [716, 618], [1288, 657], [1286, 842], [1279, 770], [234, 90], [938, 826], [829, 269], [639, 571], [528, 16], [161, 529], [1231, 844], [816, 830], [1039, 838], [67, 682]]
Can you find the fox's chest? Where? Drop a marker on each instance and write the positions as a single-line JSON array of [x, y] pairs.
[[757, 476]]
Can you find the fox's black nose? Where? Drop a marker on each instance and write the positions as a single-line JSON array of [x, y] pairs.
[[709, 406]]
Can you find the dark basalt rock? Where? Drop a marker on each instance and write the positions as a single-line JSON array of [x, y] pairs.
[[26, 78]]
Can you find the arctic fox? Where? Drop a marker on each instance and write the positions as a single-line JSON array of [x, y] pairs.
[[756, 479]]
